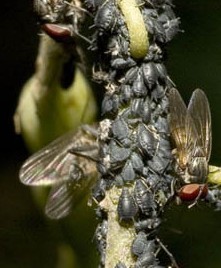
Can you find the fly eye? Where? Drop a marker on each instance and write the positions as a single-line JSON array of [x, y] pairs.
[[57, 32], [193, 191]]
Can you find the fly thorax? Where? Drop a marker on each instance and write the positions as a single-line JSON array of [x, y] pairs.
[[183, 174], [182, 160], [198, 169]]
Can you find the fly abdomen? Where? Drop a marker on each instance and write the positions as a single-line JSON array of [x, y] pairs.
[[198, 169]]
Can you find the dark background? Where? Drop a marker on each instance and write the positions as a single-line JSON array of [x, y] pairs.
[[26, 238]]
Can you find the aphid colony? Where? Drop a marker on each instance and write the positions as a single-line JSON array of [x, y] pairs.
[[131, 149], [135, 153]]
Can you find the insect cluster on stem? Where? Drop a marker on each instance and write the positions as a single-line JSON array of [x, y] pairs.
[[130, 152]]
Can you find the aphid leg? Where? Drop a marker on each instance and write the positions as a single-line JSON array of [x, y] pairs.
[[90, 130], [79, 8], [170, 255], [75, 23], [83, 37], [172, 187]]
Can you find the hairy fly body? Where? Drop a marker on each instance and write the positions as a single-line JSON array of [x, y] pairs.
[[67, 165], [191, 132], [190, 129]]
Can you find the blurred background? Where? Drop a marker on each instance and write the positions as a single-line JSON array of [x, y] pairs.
[[27, 239]]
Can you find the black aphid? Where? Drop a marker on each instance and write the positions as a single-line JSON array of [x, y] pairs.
[[127, 207]]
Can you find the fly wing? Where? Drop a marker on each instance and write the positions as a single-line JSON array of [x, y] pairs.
[[200, 112], [51, 164], [59, 203], [87, 145], [65, 164], [88, 151], [181, 125], [65, 195]]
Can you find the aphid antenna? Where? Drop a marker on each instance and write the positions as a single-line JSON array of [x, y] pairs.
[[140, 4], [104, 3], [90, 130], [170, 255], [171, 83], [117, 141], [98, 75], [79, 8], [145, 183], [156, 135], [149, 2], [172, 187], [83, 37], [92, 26], [111, 174]]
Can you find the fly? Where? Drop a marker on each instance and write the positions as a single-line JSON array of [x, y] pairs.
[[60, 19], [190, 128], [68, 164]]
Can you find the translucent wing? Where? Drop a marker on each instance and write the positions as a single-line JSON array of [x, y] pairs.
[[182, 128], [87, 145], [59, 203], [49, 165], [199, 110], [63, 196], [178, 112], [52, 164], [67, 165]]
